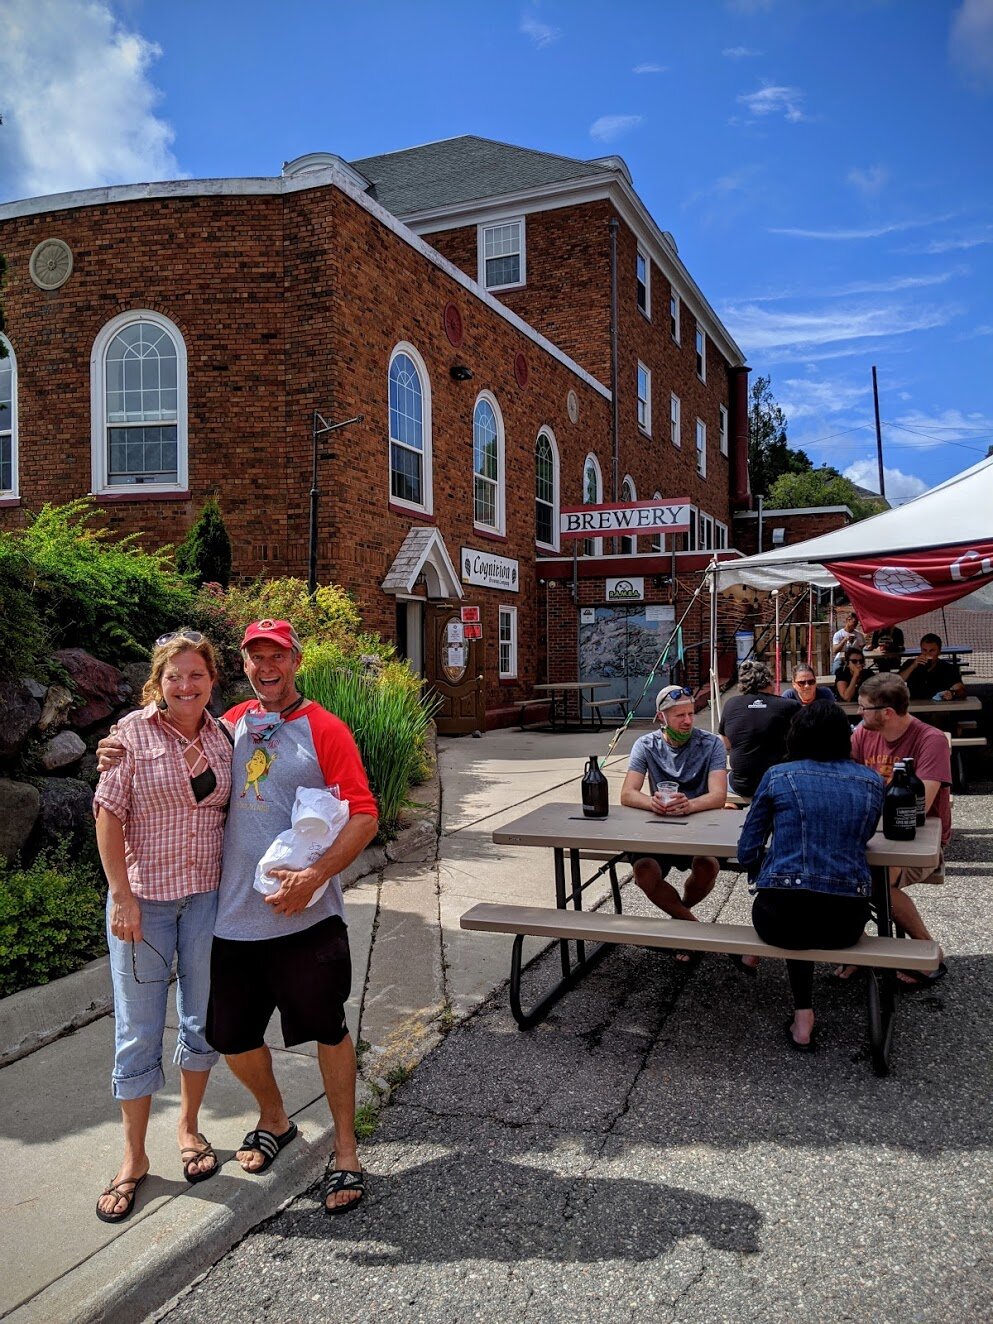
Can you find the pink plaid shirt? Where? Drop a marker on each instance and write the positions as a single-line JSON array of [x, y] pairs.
[[172, 845]]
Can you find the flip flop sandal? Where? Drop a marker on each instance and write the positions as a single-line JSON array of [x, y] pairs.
[[917, 979], [117, 1190], [686, 960], [738, 961], [343, 1179], [268, 1146], [809, 1047], [194, 1154]]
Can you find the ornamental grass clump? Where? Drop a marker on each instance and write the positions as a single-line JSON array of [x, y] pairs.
[[387, 715]]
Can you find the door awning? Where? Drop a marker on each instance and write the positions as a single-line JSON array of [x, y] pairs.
[[423, 552]]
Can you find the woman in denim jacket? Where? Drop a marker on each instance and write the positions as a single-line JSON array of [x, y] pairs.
[[812, 886]]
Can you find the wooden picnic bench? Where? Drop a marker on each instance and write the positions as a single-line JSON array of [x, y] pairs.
[[595, 706], [525, 706]]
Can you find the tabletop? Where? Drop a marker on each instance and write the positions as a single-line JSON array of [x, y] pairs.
[[712, 832], [953, 707], [575, 685], [947, 651]]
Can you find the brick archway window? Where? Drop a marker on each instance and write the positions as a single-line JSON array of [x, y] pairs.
[[546, 490], [628, 545], [8, 420], [592, 496], [487, 465], [138, 405], [410, 429]]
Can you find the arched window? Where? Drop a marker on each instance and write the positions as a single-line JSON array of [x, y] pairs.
[[546, 490], [629, 545], [138, 405], [592, 496], [487, 465], [8, 420], [658, 542], [410, 429]]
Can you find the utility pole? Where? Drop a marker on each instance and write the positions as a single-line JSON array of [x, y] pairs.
[[879, 434], [321, 428]]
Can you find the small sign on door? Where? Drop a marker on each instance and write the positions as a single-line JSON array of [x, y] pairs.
[[469, 615], [474, 631]]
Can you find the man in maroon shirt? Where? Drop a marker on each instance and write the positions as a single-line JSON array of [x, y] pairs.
[[886, 734]]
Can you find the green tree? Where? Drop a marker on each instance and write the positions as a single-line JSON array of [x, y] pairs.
[[769, 453], [821, 487], [204, 555]]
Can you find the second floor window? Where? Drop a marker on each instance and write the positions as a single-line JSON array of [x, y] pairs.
[[544, 491], [675, 421], [722, 434], [501, 255], [8, 420], [644, 398], [408, 434], [628, 545], [487, 509], [701, 448], [592, 496]]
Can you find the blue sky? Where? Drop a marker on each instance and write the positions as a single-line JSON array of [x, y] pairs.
[[825, 165]]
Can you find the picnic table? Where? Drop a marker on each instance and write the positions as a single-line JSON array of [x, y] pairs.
[[928, 708], [560, 691], [564, 829]]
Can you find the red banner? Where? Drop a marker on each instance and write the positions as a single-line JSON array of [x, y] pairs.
[[889, 589]]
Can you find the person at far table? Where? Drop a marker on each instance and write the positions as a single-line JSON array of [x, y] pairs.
[[848, 634], [889, 641], [853, 674], [931, 676], [753, 727], [886, 734], [805, 688], [696, 762]]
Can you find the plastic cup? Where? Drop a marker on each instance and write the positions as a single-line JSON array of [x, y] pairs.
[[667, 791]]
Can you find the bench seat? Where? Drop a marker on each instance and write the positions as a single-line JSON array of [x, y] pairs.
[[525, 704], [595, 705]]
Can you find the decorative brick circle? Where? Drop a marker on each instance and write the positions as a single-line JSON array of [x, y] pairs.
[[521, 370], [454, 329], [50, 264], [572, 407]]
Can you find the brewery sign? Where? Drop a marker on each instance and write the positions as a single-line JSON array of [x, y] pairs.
[[489, 571]]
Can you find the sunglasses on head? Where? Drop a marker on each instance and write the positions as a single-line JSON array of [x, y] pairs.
[[191, 637]]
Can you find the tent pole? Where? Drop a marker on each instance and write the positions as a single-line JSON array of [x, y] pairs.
[[715, 698], [810, 624], [779, 669]]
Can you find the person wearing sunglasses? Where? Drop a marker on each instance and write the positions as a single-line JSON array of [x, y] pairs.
[[686, 769], [160, 813], [856, 671], [805, 688]]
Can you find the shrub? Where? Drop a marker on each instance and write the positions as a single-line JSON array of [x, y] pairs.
[[329, 616], [23, 637], [388, 718], [204, 555], [51, 921]]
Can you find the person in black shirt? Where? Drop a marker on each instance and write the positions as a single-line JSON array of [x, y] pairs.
[[850, 678], [753, 726], [931, 676], [888, 640]]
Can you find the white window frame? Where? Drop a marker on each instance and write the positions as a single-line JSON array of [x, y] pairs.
[[508, 616], [701, 353], [628, 542], [99, 445], [658, 542], [555, 544], [705, 535], [674, 308], [691, 534], [701, 448], [645, 401], [722, 429], [481, 231], [675, 420], [426, 505], [592, 546], [8, 426], [720, 536], [643, 258], [501, 479]]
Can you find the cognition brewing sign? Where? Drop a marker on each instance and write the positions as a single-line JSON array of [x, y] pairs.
[[489, 571], [629, 517]]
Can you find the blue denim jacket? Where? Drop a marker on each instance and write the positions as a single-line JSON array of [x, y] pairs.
[[821, 816]]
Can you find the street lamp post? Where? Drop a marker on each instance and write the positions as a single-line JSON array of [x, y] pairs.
[[321, 428]]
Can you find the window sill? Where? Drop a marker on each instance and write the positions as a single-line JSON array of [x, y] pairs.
[[501, 289], [645, 432], [414, 512], [646, 314], [507, 680], [489, 534], [9, 502], [116, 496]]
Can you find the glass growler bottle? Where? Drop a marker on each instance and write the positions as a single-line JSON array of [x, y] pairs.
[[899, 808], [917, 786], [594, 786]]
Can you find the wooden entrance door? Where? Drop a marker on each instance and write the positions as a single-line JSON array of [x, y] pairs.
[[454, 671]]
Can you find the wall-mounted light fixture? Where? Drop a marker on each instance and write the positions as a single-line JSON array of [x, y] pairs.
[[460, 373]]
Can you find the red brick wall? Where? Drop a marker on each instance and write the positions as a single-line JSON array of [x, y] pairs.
[[798, 528]]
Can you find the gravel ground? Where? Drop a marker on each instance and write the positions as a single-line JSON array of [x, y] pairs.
[[654, 1152]]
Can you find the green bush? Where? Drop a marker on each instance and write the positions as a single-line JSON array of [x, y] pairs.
[[204, 555], [24, 639], [330, 616], [51, 921], [388, 718]]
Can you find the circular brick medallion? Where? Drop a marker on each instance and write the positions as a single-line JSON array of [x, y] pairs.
[[572, 407], [50, 264], [521, 370], [454, 329]]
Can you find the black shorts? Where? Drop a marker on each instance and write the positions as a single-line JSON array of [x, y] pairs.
[[665, 862], [307, 975]]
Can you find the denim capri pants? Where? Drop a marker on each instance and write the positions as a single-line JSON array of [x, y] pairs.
[[182, 930]]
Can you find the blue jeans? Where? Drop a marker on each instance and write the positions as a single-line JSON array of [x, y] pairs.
[[181, 929]]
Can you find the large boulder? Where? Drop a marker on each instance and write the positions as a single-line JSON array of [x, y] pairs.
[[102, 689], [55, 709], [61, 751], [19, 712], [66, 817], [19, 805]]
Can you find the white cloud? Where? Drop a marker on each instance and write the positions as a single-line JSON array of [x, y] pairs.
[[762, 329], [920, 431], [956, 245], [970, 41], [985, 329], [609, 127], [542, 34], [805, 397], [870, 181], [650, 69], [866, 232], [739, 52], [899, 486], [775, 101], [78, 99]]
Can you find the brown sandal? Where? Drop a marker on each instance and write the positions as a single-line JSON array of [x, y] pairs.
[[116, 1189], [194, 1154]]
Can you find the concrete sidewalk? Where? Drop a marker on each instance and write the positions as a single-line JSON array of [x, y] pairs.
[[415, 973]]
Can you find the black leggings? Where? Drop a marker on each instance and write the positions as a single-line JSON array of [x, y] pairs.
[[807, 919]]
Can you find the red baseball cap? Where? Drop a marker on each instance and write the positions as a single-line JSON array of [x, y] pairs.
[[279, 632]]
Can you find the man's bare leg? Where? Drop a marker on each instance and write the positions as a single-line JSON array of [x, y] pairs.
[[337, 1062], [700, 880], [648, 876], [254, 1070]]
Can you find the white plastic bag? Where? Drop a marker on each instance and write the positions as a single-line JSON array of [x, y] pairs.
[[317, 819]]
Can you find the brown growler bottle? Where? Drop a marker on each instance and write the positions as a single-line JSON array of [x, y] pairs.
[[899, 808], [594, 786], [917, 786]]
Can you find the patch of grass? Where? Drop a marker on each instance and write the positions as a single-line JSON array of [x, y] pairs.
[[366, 1119]]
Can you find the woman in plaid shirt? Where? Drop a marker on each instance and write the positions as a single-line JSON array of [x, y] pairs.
[[160, 827]]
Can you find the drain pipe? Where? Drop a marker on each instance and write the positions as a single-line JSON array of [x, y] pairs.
[[615, 476]]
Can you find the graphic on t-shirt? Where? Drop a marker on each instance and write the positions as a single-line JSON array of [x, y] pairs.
[[257, 770]]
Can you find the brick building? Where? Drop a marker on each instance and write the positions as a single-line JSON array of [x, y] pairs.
[[171, 340]]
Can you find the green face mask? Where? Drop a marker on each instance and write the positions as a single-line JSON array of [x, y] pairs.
[[677, 737]]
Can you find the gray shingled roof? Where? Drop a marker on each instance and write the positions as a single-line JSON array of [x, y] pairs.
[[462, 170]]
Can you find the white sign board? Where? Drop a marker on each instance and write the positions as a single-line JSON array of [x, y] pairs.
[[489, 571], [626, 590], [631, 517], [660, 612]]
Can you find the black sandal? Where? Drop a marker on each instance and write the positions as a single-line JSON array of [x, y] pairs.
[[116, 1189], [344, 1179], [268, 1146], [193, 1154], [738, 960]]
